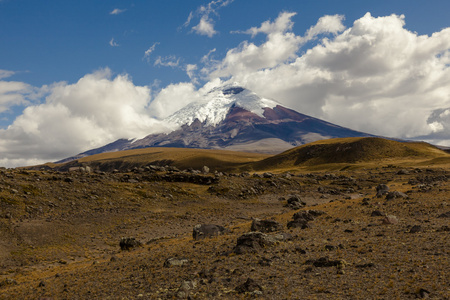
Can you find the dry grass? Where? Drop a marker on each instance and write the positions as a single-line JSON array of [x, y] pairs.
[[58, 236]]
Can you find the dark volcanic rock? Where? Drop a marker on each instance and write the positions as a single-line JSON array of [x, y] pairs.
[[253, 242], [326, 262], [382, 189], [423, 293], [266, 225], [377, 213], [298, 224], [416, 228], [129, 243], [295, 202], [202, 231], [308, 215], [190, 178], [250, 286], [302, 218], [395, 195]]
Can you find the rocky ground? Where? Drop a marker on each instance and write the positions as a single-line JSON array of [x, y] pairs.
[[365, 234]]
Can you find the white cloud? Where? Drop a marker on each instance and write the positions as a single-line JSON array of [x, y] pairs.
[[167, 61], [282, 24], [172, 98], [6, 73], [14, 93], [326, 24], [149, 51], [117, 11], [205, 27], [113, 43], [375, 76], [281, 45], [96, 110], [204, 12], [190, 71]]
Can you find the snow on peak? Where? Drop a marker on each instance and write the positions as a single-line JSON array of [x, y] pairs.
[[214, 106]]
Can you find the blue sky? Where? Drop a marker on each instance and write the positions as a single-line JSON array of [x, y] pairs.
[[63, 60], [50, 41]]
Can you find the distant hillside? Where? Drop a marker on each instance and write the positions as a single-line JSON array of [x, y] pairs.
[[332, 153], [349, 150], [182, 158]]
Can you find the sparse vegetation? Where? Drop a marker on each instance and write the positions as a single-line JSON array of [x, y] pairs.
[[61, 231]]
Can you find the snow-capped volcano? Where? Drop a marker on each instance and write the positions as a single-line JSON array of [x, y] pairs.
[[216, 104], [234, 118]]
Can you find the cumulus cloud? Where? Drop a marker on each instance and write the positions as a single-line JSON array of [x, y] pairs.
[[117, 11], [281, 45], [204, 13], [15, 93], [113, 43], [326, 24], [205, 27], [282, 24], [375, 76], [92, 112]]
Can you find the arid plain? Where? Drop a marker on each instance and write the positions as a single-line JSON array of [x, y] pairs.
[[358, 218]]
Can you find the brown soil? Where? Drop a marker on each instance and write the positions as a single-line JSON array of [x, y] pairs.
[[60, 233]]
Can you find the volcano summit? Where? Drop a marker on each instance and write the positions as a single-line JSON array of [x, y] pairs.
[[235, 118]]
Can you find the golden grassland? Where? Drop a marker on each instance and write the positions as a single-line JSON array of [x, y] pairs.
[[60, 231], [332, 154]]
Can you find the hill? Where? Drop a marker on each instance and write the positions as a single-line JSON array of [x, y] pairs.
[[350, 151], [325, 154], [182, 158]]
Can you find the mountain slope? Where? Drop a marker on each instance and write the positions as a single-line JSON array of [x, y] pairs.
[[350, 151], [236, 119]]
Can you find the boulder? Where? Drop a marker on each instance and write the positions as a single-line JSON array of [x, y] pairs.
[[253, 242], [377, 213], [298, 224], [175, 262], [295, 202], [202, 231], [128, 243], [267, 175], [390, 220], [326, 262], [250, 286], [382, 189], [415, 228], [185, 289], [307, 215], [266, 225], [302, 218], [395, 195], [205, 170]]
